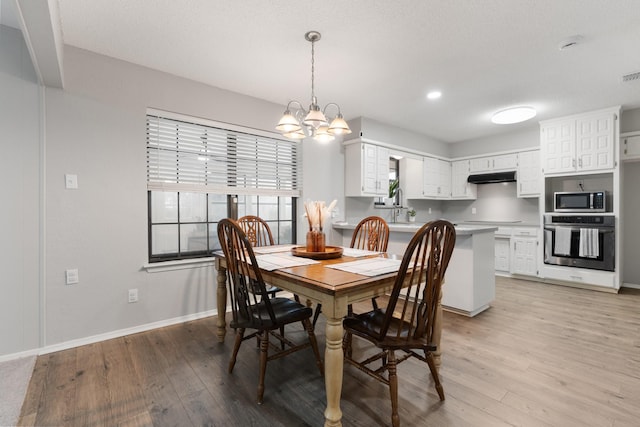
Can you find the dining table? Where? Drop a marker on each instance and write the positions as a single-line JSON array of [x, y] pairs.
[[336, 282]]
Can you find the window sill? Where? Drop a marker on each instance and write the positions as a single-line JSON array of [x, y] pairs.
[[159, 267]]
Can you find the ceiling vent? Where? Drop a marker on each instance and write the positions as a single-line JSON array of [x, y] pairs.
[[631, 77]]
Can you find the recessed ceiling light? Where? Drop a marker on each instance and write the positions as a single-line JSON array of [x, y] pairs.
[[513, 115], [434, 94]]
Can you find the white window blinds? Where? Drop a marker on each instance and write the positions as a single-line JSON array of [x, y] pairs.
[[183, 156]]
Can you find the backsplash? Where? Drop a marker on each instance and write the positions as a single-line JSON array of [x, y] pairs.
[[495, 202]]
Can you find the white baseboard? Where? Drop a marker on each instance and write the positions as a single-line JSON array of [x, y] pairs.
[[107, 336], [20, 355], [630, 285], [128, 331]]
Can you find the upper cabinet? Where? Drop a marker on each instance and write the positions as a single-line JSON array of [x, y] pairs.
[[410, 177], [529, 174], [366, 170], [503, 162], [460, 187], [429, 178], [436, 178], [579, 143]]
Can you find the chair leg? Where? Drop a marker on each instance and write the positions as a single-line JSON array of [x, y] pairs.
[[236, 347], [434, 373], [346, 345], [393, 389], [316, 314], [282, 335], [264, 348], [314, 344]]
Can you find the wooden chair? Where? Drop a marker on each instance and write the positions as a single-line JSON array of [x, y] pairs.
[[256, 310], [371, 234], [406, 325], [259, 234]]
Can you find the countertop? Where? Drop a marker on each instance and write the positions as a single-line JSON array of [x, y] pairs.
[[412, 227]]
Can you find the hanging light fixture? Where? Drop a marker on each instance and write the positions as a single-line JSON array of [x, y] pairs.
[[300, 123]]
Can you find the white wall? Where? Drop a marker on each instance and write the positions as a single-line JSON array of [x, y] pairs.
[[20, 180]]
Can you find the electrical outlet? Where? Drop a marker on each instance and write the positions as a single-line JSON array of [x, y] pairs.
[[473, 211], [72, 276], [429, 211], [133, 295]]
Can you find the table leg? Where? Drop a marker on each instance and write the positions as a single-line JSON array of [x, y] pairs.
[[437, 332], [333, 365], [222, 301]]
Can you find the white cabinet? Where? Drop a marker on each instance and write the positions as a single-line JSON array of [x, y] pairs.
[[437, 178], [524, 250], [630, 146], [411, 178], [502, 255], [460, 188], [503, 162], [579, 143], [366, 170], [503, 250], [529, 175]]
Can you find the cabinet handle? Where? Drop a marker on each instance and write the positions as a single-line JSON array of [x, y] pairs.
[[573, 163], [625, 146], [580, 162]]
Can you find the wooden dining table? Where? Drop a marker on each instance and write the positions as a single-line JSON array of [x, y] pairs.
[[335, 290]]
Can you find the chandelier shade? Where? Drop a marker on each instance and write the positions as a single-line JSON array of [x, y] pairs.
[[300, 123], [288, 123]]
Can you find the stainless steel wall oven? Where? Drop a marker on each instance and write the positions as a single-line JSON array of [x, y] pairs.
[[586, 241]]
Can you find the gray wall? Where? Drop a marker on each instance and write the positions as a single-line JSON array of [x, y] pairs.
[[381, 132], [20, 180], [630, 177], [520, 140], [96, 129]]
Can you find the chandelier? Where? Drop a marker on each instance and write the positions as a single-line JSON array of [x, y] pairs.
[[299, 123]]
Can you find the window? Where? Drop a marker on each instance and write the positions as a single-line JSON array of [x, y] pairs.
[[199, 173]]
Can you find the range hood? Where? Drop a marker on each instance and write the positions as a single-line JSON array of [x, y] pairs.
[[493, 177]]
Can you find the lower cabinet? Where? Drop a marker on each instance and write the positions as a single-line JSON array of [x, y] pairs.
[[525, 256], [503, 251], [516, 251]]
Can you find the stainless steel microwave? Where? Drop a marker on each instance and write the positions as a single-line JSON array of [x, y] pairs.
[[586, 201]]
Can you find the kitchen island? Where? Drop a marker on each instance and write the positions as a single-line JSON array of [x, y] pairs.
[[469, 286]]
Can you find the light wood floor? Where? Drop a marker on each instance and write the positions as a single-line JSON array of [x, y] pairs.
[[542, 355]]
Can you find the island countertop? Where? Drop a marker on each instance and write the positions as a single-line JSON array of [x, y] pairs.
[[412, 227]]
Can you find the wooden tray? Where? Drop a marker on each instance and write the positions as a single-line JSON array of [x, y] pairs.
[[330, 252]]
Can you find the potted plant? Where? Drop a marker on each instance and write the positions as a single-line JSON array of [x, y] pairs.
[[393, 190], [412, 215]]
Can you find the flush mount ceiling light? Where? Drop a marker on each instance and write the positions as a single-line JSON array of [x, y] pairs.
[[434, 94], [299, 123], [513, 115]]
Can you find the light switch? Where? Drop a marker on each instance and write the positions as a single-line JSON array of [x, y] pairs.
[[72, 276], [71, 181]]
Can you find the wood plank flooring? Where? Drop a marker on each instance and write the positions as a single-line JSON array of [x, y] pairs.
[[542, 355]]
